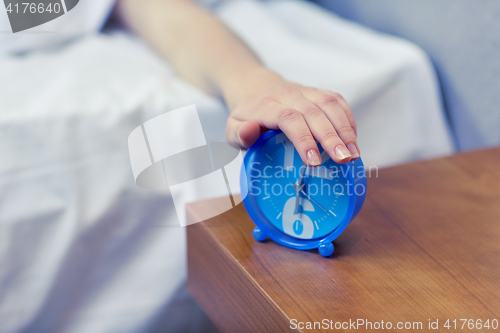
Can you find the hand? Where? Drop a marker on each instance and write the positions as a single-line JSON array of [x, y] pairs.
[[305, 114]]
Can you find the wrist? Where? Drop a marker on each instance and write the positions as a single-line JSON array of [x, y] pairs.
[[241, 85]]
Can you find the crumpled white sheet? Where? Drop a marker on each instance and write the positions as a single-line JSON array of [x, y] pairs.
[[82, 248]]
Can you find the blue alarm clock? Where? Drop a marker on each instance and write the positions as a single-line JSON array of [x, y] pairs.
[[295, 205]]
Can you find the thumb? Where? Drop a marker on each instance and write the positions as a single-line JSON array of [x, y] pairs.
[[242, 134]]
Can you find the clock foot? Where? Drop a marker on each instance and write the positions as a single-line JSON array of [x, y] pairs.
[[259, 235], [325, 250]]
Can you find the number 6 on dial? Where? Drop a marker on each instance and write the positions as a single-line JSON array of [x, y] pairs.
[[298, 225]]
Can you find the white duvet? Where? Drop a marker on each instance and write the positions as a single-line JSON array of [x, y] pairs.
[[82, 248]]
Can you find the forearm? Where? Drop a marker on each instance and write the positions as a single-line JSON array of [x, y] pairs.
[[198, 46]]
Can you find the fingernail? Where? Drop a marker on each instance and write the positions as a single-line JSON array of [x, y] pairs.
[[342, 152], [313, 157], [354, 151]]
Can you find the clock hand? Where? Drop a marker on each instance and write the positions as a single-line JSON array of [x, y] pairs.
[[304, 193], [299, 182]]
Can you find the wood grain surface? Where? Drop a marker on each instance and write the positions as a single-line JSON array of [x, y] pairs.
[[426, 246]]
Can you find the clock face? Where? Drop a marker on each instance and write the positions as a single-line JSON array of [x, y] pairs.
[[274, 175]]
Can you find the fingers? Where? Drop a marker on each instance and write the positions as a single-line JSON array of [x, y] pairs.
[[242, 134], [295, 127], [346, 108], [334, 110], [323, 131], [305, 115]]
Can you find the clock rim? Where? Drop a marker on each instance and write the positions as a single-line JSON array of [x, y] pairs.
[[267, 227]]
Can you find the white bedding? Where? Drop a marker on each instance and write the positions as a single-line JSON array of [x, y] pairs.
[[82, 248]]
